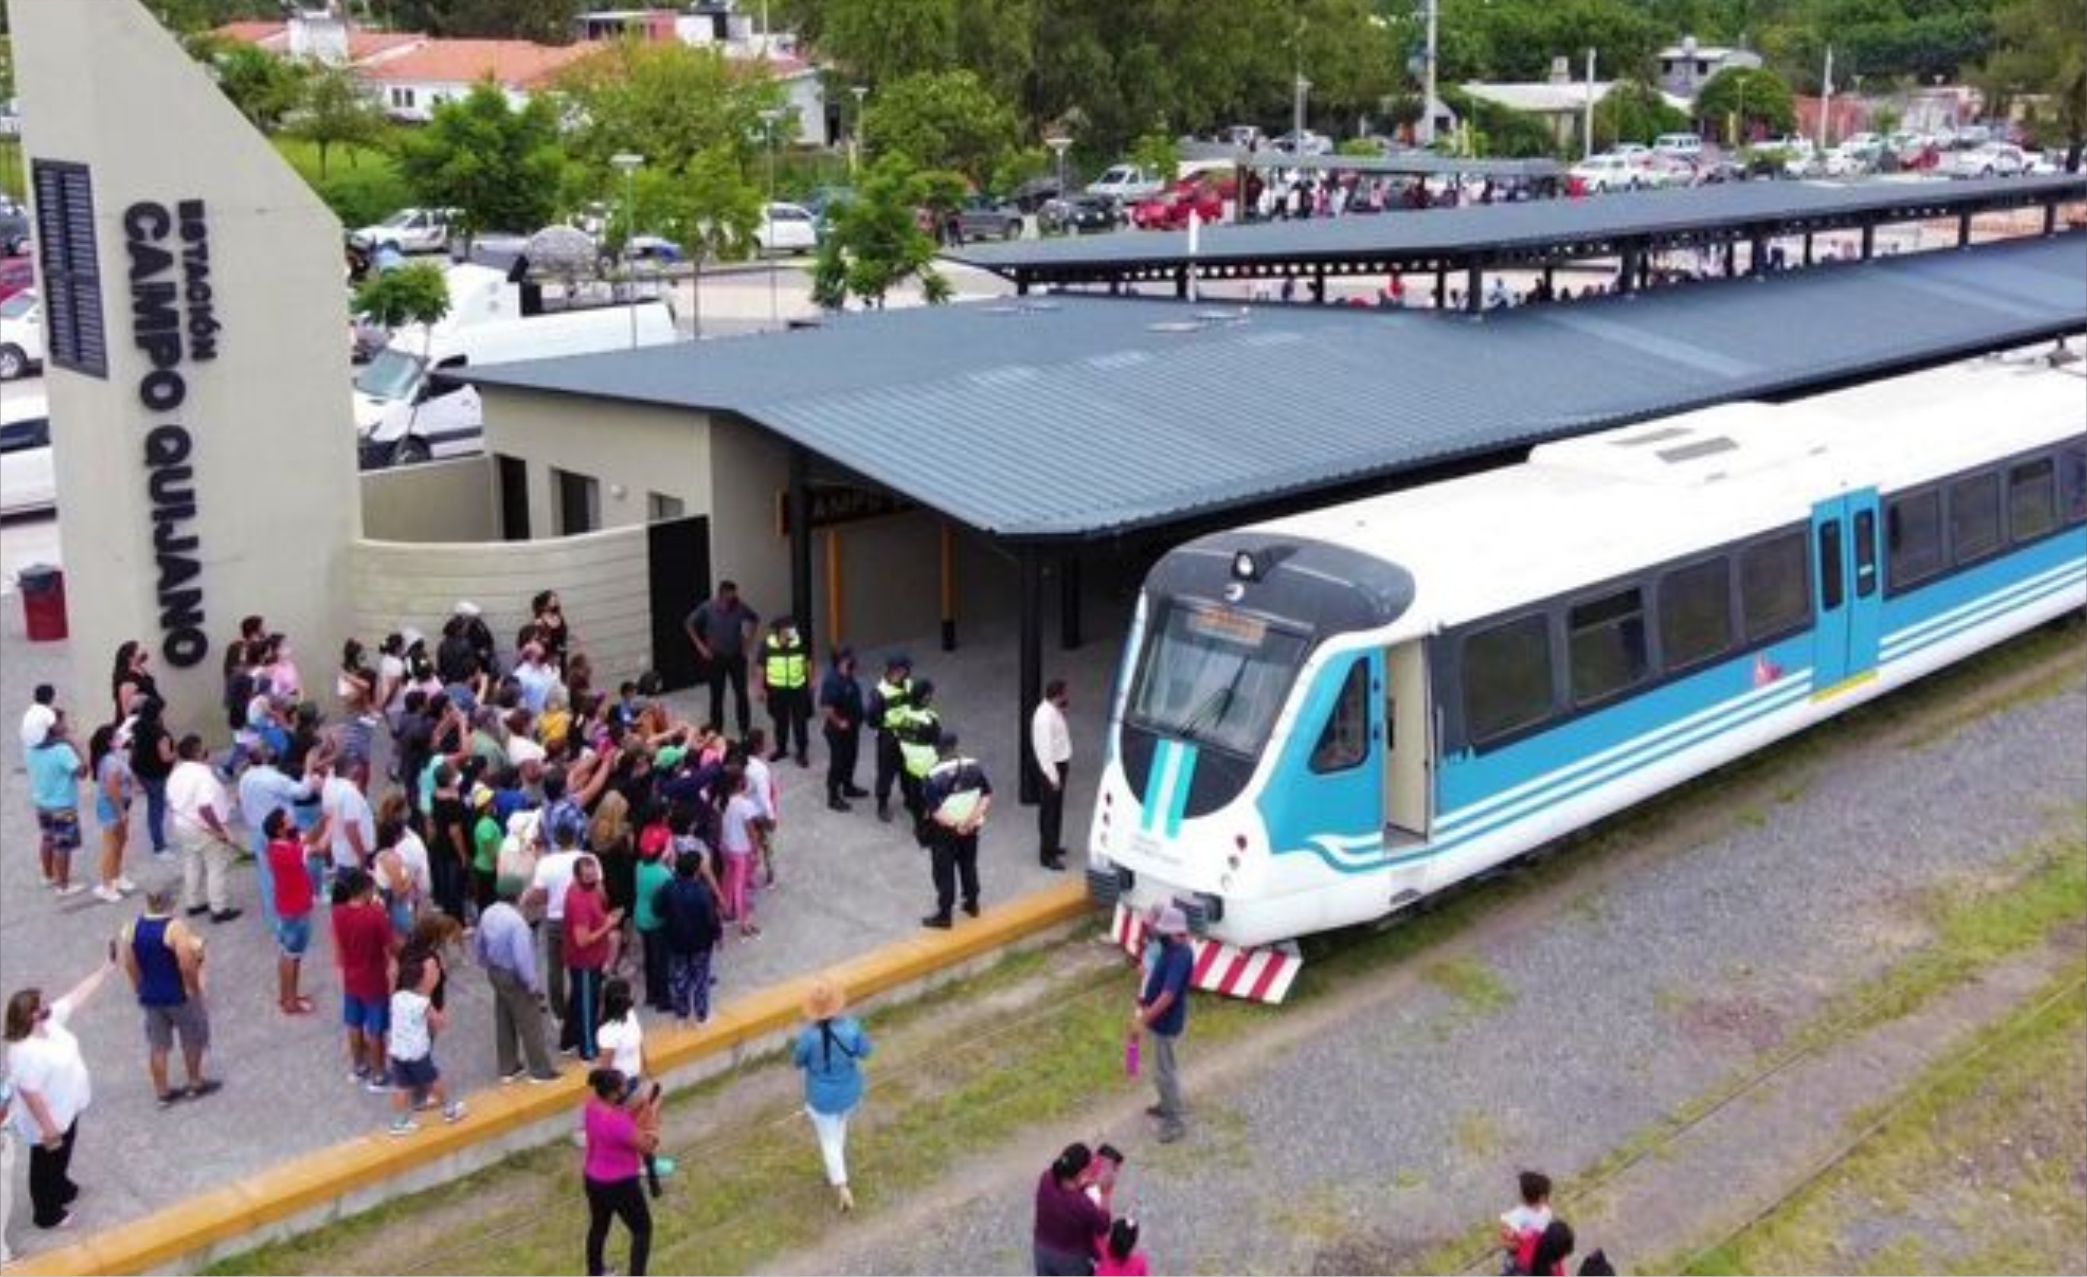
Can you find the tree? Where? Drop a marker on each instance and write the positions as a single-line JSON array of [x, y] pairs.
[[413, 294], [941, 119], [712, 212], [1496, 130], [1159, 153], [545, 21], [1740, 103], [666, 102], [880, 41], [336, 112], [263, 86], [1634, 111], [875, 242], [2041, 56], [500, 166]]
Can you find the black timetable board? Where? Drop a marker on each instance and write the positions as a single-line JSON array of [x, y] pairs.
[[72, 301]]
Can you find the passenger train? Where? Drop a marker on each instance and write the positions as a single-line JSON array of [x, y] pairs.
[[1324, 718]]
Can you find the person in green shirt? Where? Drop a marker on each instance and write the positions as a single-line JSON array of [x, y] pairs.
[[653, 873], [486, 836]]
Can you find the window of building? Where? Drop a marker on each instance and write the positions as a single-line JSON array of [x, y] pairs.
[[1606, 637], [579, 502], [402, 97], [1974, 517], [2032, 499], [1913, 538], [659, 507], [1507, 678], [1346, 740], [1695, 613], [2072, 484], [1774, 590]]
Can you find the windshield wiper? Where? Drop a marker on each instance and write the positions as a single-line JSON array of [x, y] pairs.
[[1216, 707]]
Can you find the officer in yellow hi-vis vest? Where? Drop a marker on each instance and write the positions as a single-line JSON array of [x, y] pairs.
[[887, 703], [786, 682], [918, 729]]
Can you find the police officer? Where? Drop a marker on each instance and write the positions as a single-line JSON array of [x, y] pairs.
[[956, 796], [786, 674], [893, 693], [918, 729], [840, 701]]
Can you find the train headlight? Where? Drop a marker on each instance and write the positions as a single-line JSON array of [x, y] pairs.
[[1245, 567]]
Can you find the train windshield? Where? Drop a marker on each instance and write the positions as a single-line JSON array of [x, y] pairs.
[[1215, 676]]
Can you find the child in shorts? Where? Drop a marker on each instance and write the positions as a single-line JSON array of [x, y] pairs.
[[416, 1082]]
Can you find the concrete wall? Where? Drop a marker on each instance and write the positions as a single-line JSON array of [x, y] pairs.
[[630, 450], [438, 501], [271, 450], [747, 471], [602, 579]]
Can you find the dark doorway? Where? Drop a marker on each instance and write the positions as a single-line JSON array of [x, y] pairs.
[[513, 476], [678, 552]]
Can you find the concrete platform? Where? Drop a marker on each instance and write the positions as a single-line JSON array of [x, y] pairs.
[[848, 886]]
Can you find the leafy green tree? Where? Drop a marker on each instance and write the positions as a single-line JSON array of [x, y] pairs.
[[875, 242], [1159, 153], [1497, 130], [263, 86], [1634, 111], [881, 41], [666, 102], [941, 119], [1740, 102], [336, 112], [545, 21], [500, 165], [413, 294], [2042, 53]]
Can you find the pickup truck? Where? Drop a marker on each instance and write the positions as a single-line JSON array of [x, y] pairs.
[[410, 230]]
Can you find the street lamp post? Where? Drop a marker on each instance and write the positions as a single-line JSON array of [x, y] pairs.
[[1059, 144], [769, 117], [1303, 87], [860, 91], [628, 164]]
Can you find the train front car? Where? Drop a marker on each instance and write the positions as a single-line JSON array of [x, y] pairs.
[[1247, 777]]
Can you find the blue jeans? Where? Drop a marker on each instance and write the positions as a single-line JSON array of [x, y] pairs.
[[156, 814]]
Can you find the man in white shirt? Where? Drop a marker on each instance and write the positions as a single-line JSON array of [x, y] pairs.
[[346, 824], [197, 807], [554, 874], [1052, 744]]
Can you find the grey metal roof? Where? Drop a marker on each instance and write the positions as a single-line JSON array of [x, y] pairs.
[[1411, 163], [1070, 417], [1503, 230]]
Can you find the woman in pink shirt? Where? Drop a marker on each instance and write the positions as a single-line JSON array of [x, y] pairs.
[[618, 1139]]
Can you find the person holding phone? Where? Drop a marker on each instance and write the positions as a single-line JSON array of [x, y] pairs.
[[52, 1089]]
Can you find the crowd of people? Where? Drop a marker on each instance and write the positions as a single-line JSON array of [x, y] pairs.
[[590, 852]]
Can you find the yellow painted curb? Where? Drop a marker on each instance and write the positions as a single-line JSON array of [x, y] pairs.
[[329, 1174]]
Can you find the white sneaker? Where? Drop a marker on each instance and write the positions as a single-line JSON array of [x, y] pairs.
[[124, 884], [71, 889], [108, 894]]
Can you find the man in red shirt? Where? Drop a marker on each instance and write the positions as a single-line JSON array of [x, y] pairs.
[[363, 946], [293, 906], [590, 926]]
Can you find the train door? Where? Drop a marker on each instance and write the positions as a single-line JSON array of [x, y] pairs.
[[1408, 742], [1845, 581]]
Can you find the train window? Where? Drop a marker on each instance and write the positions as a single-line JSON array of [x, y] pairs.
[[1830, 564], [1695, 613], [1865, 553], [2032, 500], [2072, 484], [1606, 636], [1974, 517], [1346, 740], [1507, 678], [1913, 538], [1774, 590]]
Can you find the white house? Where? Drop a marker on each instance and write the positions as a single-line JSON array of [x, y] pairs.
[[410, 85], [1560, 101], [1686, 67]]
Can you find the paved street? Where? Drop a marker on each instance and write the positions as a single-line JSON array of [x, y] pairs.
[[848, 884]]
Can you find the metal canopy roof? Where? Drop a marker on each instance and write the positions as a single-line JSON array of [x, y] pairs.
[[1080, 417], [1408, 163], [1528, 230]]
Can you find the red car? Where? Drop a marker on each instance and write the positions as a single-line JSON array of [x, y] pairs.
[[1169, 210], [16, 274]]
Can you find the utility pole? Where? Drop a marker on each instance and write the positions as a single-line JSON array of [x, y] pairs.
[[1427, 89], [1825, 99], [1587, 125]]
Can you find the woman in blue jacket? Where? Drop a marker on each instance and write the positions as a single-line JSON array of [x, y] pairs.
[[831, 1051]]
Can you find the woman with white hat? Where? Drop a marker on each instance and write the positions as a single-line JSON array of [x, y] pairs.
[[831, 1050]]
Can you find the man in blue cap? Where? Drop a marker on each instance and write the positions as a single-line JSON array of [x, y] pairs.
[[840, 701]]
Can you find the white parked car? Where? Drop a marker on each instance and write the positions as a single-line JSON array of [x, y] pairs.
[[786, 228], [1847, 161], [1126, 183], [1993, 159], [27, 481], [410, 230], [1305, 143], [1606, 173], [21, 335], [2045, 163]]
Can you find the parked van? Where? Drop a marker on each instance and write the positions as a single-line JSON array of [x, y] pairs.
[[409, 404], [1685, 146], [1126, 182]]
